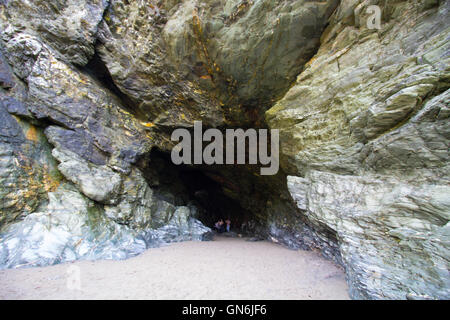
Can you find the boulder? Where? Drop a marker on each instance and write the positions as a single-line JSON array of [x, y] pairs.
[[98, 183], [71, 227]]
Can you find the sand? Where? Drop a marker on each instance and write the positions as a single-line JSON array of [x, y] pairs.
[[226, 268]]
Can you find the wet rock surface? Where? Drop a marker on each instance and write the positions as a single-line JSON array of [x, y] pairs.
[[90, 89]]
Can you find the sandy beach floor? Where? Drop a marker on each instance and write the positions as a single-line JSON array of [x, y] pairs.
[[226, 268]]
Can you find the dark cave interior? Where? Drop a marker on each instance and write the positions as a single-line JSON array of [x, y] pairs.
[[195, 185]]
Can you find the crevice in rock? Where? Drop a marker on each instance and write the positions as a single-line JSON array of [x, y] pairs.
[[97, 69]]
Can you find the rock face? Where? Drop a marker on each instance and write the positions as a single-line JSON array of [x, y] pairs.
[[382, 225], [98, 183], [366, 140], [90, 89], [27, 170], [86, 199], [73, 227], [70, 227], [70, 27], [188, 60]]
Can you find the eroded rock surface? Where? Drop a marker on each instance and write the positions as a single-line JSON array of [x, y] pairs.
[[86, 198], [73, 227], [70, 27], [219, 62], [89, 89], [366, 139]]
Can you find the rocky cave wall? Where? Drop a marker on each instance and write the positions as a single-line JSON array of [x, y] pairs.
[[92, 89]]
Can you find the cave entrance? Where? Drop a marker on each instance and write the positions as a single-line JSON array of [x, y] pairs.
[[213, 202], [210, 190]]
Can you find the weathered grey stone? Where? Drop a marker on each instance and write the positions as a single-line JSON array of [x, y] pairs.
[[97, 144], [392, 241], [69, 26], [71, 227], [100, 129], [6, 79], [221, 61], [364, 130], [98, 183], [76, 141], [131, 45], [138, 207], [423, 142], [360, 85], [181, 227], [250, 46], [298, 188], [15, 107], [365, 134]]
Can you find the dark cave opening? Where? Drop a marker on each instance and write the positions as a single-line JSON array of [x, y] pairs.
[[98, 70], [215, 204], [206, 189]]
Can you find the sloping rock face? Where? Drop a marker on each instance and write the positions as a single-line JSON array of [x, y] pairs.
[[89, 89], [365, 138], [221, 62], [87, 198], [70, 27]]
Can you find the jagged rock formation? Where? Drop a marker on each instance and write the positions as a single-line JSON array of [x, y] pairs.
[[365, 127], [90, 89]]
